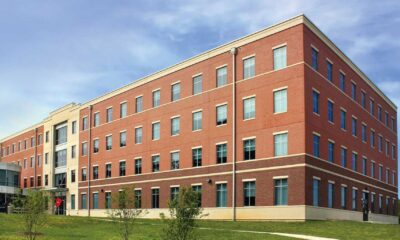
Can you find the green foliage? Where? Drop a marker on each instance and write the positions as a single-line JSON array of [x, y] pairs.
[[34, 207], [184, 209]]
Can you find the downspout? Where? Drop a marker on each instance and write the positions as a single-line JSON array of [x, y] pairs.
[[35, 162], [89, 156], [234, 52]]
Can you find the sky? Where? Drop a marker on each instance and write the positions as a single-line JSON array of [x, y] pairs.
[[56, 52]]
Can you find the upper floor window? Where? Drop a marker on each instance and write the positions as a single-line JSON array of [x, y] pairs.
[[108, 142], [364, 133], [222, 114], [175, 92], [314, 58], [96, 119], [197, 84], [221, 150], [329, 68], [95, 145], [343, 119], [354, 126], [197, 156], [139, 104], [331, 151], [156, 131], [330, 112], [281, 144], [155, 160], [280, 58], [249, 108], [61, 135], [73, 127], [84, 123], [249, 67], [380, 113], [372, 138], [175, 160], [363, 99], [122, 139], [46, 138], [138, 166], [371, 107], [342, 81], [354, 91], [387, 119], [222, 76], [156, 98], [84, 149], [108, 170], [175, 126], [315, 96], [123, 110], [280, 101], [122, 168], [109, 114], [249, 149], [138, 135], [316, 140], [197, 123]]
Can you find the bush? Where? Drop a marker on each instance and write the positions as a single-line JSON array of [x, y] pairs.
[[34, 207]]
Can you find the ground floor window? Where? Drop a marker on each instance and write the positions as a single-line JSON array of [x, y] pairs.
[[197, 189], [83, 201], [155, 198], [315, 192], [95, 200], [108, 200], [221, 195], [249, 193], [138, 198], [281, 191], [72, 201]]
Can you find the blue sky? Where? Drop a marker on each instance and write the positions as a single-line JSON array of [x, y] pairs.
[[56, 52]]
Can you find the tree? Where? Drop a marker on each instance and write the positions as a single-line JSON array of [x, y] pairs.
[[34, 207], [124, 211], [183, 209]]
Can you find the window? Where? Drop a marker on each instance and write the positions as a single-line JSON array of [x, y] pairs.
[[84, 174], [380, 143], [342, 81], [363, 98], [387, 176], [138, 198], [25, 163], [249, 108], [122, 168], [46, 180], [281, 144], [354, 157], [95, 200], [330, 112], [109, 116], [139, 104], [197, 121], [354, 199], [122, 139], [371, 107], [197, 157], [155, 198], [316, 139], [107, 200], [221, 153], [60, 135], [354, 126], [73, 153], [73, 176], [175, 126], [281, 191], [279, 58], [197, 190], [155, 131], [315, 96], [354, 91], [380, 203], [249, 193], [39, 181], [73, 201], [343, 197], [372, 169], [331, 190], [108, 170], [387, 119], [25, 183], [316, 192], [156, 98], [123, 107], [387, 148], [96, 146], [73, 128], [84, 149], [331, 151], [175, 160], [380, 113], [175, 92], [221, 195], [96, 119], [32, 182], [314, 58], [222, 76], [343, 119], [60, 158], [329, 68], [222, 114], [40, 139], [83, 201], [32, 162], [280, 101], [249, 149], [393, 152], [364, 166], [84, 123], [174, 193], [249, 67], [373, 202], [32, 142], [155, 160], [343, 155], [138, 135], [108, 142], [364, 133], [197, 84], [138, 166], [380, 173]]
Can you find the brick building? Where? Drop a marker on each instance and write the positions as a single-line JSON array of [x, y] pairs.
[[279, 124]]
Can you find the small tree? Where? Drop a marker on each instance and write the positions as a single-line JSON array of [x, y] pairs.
[[183, 209], [34, 207], [124, 211]]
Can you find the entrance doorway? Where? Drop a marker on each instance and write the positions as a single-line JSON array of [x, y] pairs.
[[60, 205]]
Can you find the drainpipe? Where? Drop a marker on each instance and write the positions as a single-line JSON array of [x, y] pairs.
[[233, 53], [89, 156], [35, 162]]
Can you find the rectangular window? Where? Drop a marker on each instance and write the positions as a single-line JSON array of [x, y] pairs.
[[249, 108], [197, 155], [354, 157], [46, 157], [95, 172], [96, 146], [249, 149], [84, 149], [108, 170], [354, 126], [175, 92], [222, 76], [329, 68], [331, 189], [343, 197], [281, 144], [363, 99], [123, 110], [122, 168], [315, 192], [380, 113], [314, 58], [380, 143], [364, 166], [343, 119], [354, 199], [387, 176], [138, 166], [46, 180], [84, 174], [380, 173], [197, 122], [354, 91], [393, 152], [343, 155], [330, 112], [372, 169], [138, 198], [155, 163], [83, 201], [175, 126], [73, 201], [108, 142], [371, 107], [221, 195], [387, 119], [280, 101], [108, 200], [222, 114], [175, 160], [96, 119], [364, 133], [380, 203], [73, 152], [174, 193], [139, 104], [197, 190], [155, 198], [73, 127], [73, 176], [373, 202], [60, 135], [315, 98], [39, 181], [331, 151], [372, 139], [316, 140], [95, 200], [387, 148], [156, 98], [279, 58], [84, 123], [342, 81], [109, 116], [155, 131], [122, 139], [249, 194], [138, 135], [221, 150], [249, 67], [197, 84], [281, 191]]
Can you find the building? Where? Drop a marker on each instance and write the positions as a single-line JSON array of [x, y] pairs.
[[277, 125], [9, 184]]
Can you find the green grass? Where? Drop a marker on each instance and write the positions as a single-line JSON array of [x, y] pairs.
[[62, 227]]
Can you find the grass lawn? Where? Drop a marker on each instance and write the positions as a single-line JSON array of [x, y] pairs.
[[62, 227]]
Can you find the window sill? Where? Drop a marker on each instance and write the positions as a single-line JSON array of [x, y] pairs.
[[197, 130], [248, 119], [221, 125], [277, 113]]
